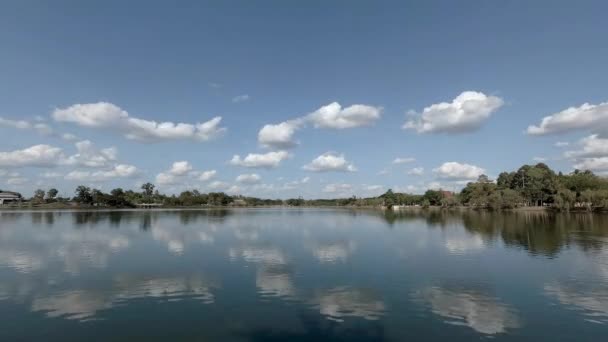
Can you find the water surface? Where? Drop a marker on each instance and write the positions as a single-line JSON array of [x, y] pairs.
[[302, 275]]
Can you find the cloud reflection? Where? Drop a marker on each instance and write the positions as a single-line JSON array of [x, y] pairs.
[[592, 302], [342, 302], [484, 314]]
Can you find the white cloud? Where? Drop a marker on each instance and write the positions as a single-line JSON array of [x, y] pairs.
[[36, 156], [69, 137], [218, 185], [330, 161], [373, 187], [266, 160], [49, 174], [109, 116], [295, 184], [118, 171], [336, 117], [5, 173], [16, 181], [20, 124], [591, 155], [40, 127], [207, 175], [466, 113], [180, 168], [458, 171], [562, 144], [586, 117], [539, 159], [403, 160], [338, 188], [592, 146], [89, 156], [181, 171], [251, 178], [333, 116], [594, 164], [417, 171], [241, 98], [279, 135]]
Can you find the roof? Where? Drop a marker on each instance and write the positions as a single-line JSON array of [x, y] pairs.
[[10, 194]]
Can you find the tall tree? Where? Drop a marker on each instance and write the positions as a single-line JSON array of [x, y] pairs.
[[52, 194], [148, 189]]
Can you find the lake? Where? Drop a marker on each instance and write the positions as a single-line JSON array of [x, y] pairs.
[[302, 275]]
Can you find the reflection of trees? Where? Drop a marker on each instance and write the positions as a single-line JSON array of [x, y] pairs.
[[539, 232], [144, 218]]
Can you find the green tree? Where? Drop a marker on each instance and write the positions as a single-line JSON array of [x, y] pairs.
[[38, 196], [52, 194], [148, 189], [433, 197], [83, 195]]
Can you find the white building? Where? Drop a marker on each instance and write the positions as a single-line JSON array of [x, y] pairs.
[[9, 196]]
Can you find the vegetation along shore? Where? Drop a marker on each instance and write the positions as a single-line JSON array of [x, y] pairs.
[[528, 188]]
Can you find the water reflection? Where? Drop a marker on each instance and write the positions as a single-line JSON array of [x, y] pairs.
[[84, 304], [323, 273], [333, 251], [481, 312], [341, 302]]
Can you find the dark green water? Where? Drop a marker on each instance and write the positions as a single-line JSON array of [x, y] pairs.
[[302, 275]]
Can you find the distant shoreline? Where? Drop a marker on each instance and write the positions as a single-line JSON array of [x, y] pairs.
[[63, 207]]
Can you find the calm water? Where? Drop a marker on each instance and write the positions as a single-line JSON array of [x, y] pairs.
[[302, 275]]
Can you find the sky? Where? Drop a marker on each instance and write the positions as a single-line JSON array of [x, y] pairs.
[[281, 99]]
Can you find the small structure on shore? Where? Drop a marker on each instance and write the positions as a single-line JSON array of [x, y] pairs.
[[9, 197], [149, 205]]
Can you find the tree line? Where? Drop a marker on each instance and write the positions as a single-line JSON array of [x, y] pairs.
[[530, 185]]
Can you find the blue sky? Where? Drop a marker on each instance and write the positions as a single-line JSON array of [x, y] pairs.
[[469, 76]]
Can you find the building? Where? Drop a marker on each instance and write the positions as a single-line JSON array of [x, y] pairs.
[[9, 196], [446, 194]]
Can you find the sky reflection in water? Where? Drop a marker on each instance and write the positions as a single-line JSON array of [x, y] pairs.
[[274, 274]]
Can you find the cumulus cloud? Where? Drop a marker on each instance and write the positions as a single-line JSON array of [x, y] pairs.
[[89, 156], [109, 116], [417, 171], [331, 116], [218, 185], [35, 156], [69, 137], [330, 161], [280, 135], [267, 160], [592, 154], [336, 117], [403, 160], [118, 171], [594, 164], [16, 181], [39, 127], [591, 146], [241, 98], [466, 113], [181, 171], [338, 188], [458, 171], [585, 117], [206, 175], [251, 178]]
